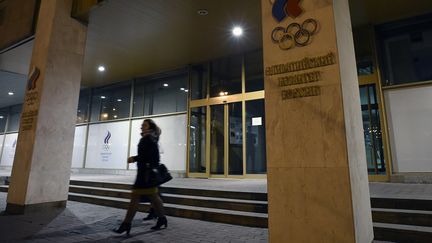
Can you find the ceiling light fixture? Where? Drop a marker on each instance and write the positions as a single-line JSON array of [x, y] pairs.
[[165, 85], [202, 12], [103, 97], [101, 68], [11, 93], [182, 89], [119, 100], [1, 117], [237, 31]]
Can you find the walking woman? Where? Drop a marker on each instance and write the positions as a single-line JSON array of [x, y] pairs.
[[147, 159]]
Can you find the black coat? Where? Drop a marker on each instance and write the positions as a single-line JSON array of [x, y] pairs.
[[148, 158]]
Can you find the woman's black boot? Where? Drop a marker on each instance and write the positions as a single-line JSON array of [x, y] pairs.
[[123, 227], [151, 215], [162, 221]]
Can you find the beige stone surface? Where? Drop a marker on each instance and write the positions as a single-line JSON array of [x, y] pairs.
[[313, 204], [317, 177], [44, 152]]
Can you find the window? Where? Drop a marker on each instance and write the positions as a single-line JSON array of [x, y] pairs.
[[406, 50], [14, 118], [111, 102], [161, 95], [3, 119], [254, 71], [199, 80], [83, 106], [255, 137], [226, 76]]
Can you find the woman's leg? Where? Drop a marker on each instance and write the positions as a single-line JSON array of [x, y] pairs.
[[133, 207], [157, 204]]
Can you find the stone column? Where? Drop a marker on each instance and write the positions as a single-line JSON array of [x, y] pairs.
[[317, 176], [41, 169]]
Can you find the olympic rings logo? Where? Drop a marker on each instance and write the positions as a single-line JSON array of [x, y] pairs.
[[294, 34]]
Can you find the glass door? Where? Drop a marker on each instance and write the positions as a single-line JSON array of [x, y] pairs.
[[226, 140], [372, 130], [217, 140], [375, 137]]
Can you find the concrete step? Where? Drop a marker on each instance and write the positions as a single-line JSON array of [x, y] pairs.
[[199, 213], [207, 202], [402, 203], [402, 233], [404, 217], [183, 191], [4, 188]]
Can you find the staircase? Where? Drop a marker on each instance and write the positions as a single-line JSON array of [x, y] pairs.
[[397, 220]]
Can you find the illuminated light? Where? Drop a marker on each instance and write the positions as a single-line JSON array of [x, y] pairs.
[[237, 31], [182, 89], [186, 90], [1, 117], [221, 93], [165, 85], [11, 93], [101, 68], [225, 93], [115, 116], [103, 97], [114, 109], [105, 115], [202, 12], [119, 100]]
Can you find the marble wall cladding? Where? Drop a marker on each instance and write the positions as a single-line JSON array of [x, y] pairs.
[[44, 149], [315, 164]]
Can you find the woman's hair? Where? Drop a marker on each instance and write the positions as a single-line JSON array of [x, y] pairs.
[[156, 131]]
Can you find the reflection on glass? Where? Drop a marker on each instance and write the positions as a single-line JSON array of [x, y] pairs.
[[83, 106], [111, 102], [199, 80], [14, 118], [225, 76], [217, 140], [235, 152], [159, 95], [254, 71], [197, 151], [3, 119], [407, 51], [256, 162], [372, 130]]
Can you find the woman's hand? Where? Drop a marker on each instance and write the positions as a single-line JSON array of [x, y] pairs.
[[131, 159]]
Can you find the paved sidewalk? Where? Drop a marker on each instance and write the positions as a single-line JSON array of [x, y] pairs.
[[81, 222]]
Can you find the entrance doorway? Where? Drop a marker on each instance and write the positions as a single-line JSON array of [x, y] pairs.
[[377, 153], [226, 136]]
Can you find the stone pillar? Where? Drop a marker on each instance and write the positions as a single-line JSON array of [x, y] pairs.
[[41, 169], [317, 176]]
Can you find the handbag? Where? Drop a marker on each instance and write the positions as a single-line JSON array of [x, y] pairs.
[[157, 176], [164, 175]]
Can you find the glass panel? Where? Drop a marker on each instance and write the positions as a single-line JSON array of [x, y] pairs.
[[199, 80], [217, 140], [407, 50], [83, 106], [161, 95], [235, 152], [256, 162], [372, 130], [226, 76], [254, 71], [111, 102], [14, 118], [365, 67], [3, 119], [197, 149]]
